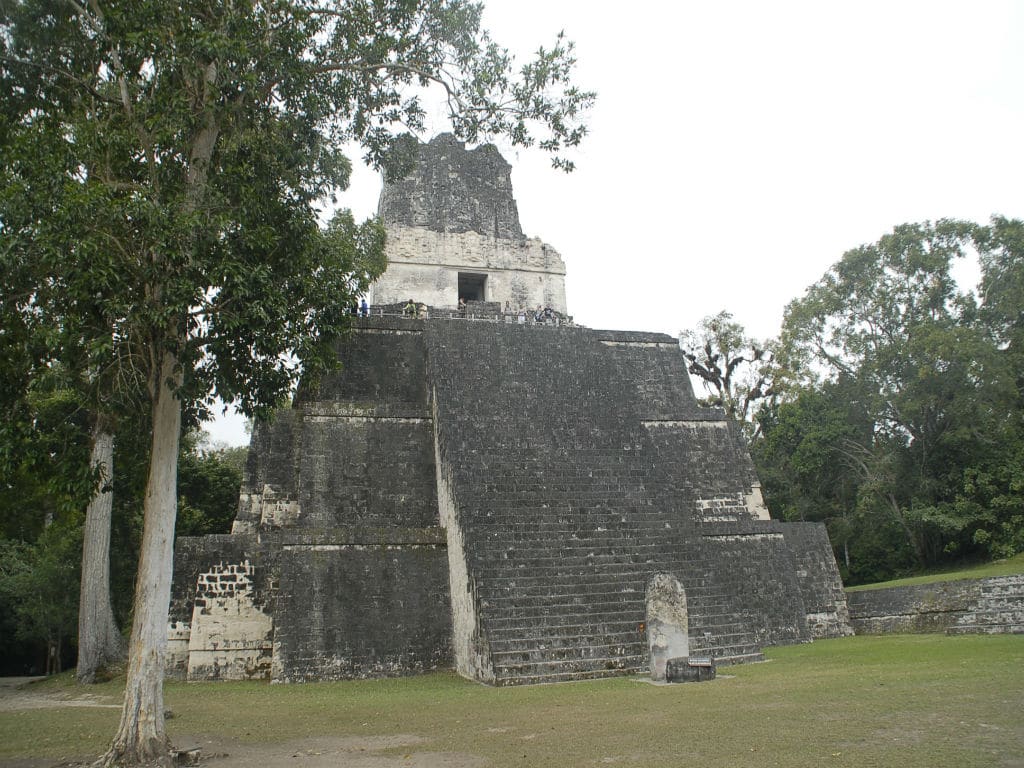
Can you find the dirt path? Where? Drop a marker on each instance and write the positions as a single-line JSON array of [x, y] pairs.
[[218, 752], [330, 752], [16, 693]]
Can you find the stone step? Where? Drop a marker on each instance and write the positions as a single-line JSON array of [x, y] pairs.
[[570, 510], [511, 547], [540, 621], [555, 604], [556, 571], [703, 597], [498, 598], [1010, 614], [584, 647], [623, 522], [624, 630], [569, 559], [502, 579], [568, 677], [497, 550], [570, 669], [543, 616], [532, 533], [514, 542], [515, 589], [702, 612]]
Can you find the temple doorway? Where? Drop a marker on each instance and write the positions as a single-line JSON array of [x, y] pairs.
[[471, 286]]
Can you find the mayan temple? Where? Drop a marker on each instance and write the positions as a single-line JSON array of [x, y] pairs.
[[523, 500]]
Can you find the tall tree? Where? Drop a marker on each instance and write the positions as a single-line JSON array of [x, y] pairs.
[[734, 369], [993, 486], [890, 320], [99, 641], [196, 139], [53, 330]]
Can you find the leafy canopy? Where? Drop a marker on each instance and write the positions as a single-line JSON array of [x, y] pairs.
[[165, 162], [926, 379]]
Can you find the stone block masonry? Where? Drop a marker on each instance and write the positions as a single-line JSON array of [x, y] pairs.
[[453, 231], [337, 535], [520, 501], [969, 606], [353, 611], [501, 499]]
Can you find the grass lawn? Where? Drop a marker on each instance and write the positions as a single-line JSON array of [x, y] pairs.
[[1010, 566], [906, 701]]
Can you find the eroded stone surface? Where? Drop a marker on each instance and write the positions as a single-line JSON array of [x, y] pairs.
[[496, 496], [667, 623], [452, 189], [971, 606], [454, 218]]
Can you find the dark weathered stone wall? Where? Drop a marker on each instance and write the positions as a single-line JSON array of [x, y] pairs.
[[271, 469], [356, 449], [993, 605], [383, 369], [355, 611], [580, 466], [339, 494], [576, 470], [351, 602], [818, 577], [454, 190], [754, 580]]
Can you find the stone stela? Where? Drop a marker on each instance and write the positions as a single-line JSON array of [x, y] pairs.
[[522, 502]]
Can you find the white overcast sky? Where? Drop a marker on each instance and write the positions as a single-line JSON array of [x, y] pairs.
[[737, 149]]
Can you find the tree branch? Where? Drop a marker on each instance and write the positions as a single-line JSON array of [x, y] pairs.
[[63, 74]]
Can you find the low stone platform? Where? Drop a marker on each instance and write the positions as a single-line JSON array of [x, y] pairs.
[[969, 606]]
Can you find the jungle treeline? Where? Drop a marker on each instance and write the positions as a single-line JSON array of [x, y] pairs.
[[890, 405]]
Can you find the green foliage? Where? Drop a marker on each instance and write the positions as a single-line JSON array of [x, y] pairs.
[[208, 487], [45, 473], [901, 424], [38, 592], [163, 166], [1011, 566], [734, 369]]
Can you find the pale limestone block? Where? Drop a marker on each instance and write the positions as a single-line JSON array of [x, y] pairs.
[[230, 637], [667, 623]]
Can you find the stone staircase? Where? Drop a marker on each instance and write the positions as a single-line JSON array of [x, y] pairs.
[[564, 529]]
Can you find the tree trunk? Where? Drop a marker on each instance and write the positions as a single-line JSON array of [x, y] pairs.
[[99, 642], [53, 656], [141, 736]]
